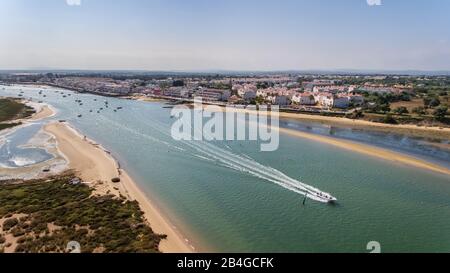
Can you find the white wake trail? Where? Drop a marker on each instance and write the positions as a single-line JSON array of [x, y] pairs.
[[256, 169], [241, 163]]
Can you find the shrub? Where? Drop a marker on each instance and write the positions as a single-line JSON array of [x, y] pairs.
[[419, 111], [97, 222], [17, 232], [355, 115], [389, 119], [440, 113], [435, 102], [10, 223], [401, 110], [384, 108]]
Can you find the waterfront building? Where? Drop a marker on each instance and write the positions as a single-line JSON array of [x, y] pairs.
[[209, 94]]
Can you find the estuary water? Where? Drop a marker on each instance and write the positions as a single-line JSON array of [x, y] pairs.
[[231, 197]]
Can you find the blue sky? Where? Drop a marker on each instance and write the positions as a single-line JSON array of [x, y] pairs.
[[225, 34]]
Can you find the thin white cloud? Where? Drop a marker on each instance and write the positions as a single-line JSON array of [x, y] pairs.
[[73, 2], [374, 2]]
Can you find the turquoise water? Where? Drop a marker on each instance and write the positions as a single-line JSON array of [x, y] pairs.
[[224, 209]]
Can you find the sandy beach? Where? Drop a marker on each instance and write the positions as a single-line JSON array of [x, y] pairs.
[[406, 129], [369, 150], [434, 132], [95, 166], [373, 151], [43, 113]]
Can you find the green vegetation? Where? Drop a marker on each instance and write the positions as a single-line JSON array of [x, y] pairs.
[[259, 100], [2, 242], [11, 109], [264, 85], [430, 102], [401, 110], [389, 119], [355, 115], [420, 111], [440, 113], [222, 86], [178, 83], [385, 99], [10, 223], [423, 101], [9, 125], [58, 212], [428, 107]]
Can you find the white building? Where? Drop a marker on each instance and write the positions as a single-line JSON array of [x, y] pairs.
[[307, 99], [208, 94], [179, 92], [324, 99], [282, 100], [303, 99], [261, 93], [249, 95]]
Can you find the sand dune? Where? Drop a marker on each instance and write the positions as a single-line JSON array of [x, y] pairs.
[[94, 165]]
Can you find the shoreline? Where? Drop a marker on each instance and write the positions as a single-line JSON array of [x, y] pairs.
[[94, 164], [414, 130], [365, 149], [175, 243], [407, 129], [46, 111], [368, 150]]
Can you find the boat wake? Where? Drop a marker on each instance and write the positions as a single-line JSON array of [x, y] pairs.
[[242, 163], [247, 165]]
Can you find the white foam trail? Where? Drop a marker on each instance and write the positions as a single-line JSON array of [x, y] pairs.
[[135, 132], [247, 156], [204, 158], [236, 162], [240, 163], [248, 165]]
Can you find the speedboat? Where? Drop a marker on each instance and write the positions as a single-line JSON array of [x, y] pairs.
[[326, 197]]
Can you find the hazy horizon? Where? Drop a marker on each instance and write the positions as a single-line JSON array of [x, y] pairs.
[[225, 35], [234, 72]]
